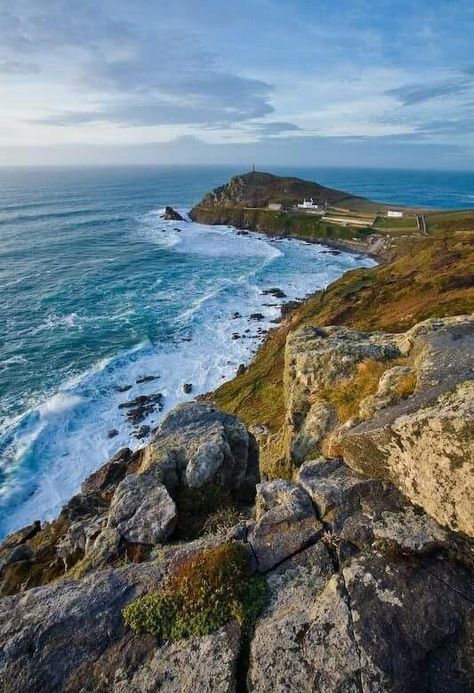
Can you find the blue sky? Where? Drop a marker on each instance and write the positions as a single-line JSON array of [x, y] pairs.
[[356, 82]]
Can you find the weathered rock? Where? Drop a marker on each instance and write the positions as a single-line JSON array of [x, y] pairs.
[[21, 536], [373, 627], [172, 215], [336, 491], [187, 388], [427, 450], [21, 552], [142, 510], [58, 637], [110, 474], [206, 665], [79, 538], [286, 523], [197, 445], [83, 505], [411, 624], [314, 359]]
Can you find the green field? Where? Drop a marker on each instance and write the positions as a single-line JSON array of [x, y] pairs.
[[408, 223]]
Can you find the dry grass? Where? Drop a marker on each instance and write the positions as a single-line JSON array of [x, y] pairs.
[[406, 385], [346, 396]]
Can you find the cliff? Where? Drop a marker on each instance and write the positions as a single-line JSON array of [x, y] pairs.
[[308, 528]]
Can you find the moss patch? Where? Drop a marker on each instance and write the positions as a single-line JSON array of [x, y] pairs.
[[208, 591]]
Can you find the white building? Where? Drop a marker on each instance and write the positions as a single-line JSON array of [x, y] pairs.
[[308, 204], [394, 214]]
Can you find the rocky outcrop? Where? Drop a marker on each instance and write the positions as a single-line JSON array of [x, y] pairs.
[[425, 444], [172, 215], [316, 359], [374, 595], [411, 419], [197, 446], [130, 503], [369, 588], [286, 523]]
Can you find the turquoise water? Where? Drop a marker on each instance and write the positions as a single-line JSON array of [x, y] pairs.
[[98, 292]]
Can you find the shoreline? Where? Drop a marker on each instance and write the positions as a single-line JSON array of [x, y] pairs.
[[124, 436]]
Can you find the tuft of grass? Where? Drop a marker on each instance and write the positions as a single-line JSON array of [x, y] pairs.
[[222, 520], [195, 506], [345, 396], [406, 385], [208, 591]]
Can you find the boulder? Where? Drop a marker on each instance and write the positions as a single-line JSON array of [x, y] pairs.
[[172, 215], [286, 523], [197, 446], [141, 510]]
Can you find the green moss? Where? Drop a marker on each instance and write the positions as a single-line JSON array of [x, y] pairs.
[[208, 591]]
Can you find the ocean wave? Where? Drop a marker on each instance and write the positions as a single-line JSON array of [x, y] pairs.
[[53, 321]]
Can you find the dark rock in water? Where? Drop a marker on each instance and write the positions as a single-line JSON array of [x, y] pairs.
[[122, 388], [331, 252], [112, 433], [241, 369], [275, 291], [236, 315], [242, 233], [257, 316], [141, 406], [142, 432], [146, 379], [172, 215], [236, 336], [187, 388]]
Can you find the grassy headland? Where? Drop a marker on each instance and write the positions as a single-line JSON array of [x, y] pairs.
[[421, 276]]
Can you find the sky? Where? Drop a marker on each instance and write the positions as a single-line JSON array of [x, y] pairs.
[[298, 82]]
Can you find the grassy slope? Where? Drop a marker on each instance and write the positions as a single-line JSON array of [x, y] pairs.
[[430, 277], [278, 223]]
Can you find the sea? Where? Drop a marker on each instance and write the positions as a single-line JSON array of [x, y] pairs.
[[102, 301]]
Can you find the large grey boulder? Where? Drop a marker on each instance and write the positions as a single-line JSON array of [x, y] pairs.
[[142, 510], [196, 446], [286, 523]]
